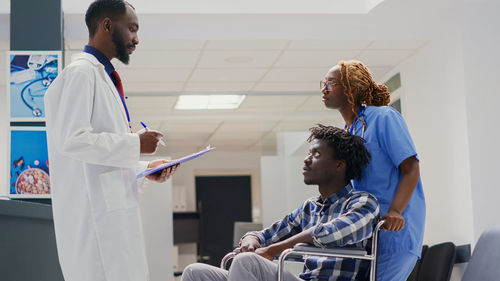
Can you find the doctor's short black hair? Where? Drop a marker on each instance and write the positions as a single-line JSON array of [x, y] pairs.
[[101, 9], [346, 146]]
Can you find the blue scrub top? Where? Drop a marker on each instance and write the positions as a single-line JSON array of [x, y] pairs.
[[389, 142]]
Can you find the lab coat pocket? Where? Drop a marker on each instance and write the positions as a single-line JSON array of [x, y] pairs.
[[116, 190]]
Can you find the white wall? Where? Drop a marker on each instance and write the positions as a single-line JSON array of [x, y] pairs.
[[433, 104], [282, 183], [481, 44]]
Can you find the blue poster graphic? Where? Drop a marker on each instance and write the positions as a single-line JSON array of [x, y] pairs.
[[29, 167], [30, 76]]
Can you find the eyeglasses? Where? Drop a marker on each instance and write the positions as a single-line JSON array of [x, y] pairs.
[[328, 85]]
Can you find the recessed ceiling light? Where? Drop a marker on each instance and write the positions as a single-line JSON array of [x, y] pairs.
[[239, 59], [204, 102]]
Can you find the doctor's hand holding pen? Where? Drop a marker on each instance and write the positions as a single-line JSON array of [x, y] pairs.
[[149, 141]]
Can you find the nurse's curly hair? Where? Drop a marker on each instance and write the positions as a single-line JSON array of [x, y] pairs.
[[359, 87], [101, 9], [346, 146]]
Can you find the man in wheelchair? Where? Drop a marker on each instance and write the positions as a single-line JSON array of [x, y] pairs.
[[338, 217]]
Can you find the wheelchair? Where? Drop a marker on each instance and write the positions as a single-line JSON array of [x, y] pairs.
[[299, 251]]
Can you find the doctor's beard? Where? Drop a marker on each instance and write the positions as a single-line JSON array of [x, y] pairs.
[[121, 48]]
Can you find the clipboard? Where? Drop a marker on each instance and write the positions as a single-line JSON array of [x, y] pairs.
[[174, 162]]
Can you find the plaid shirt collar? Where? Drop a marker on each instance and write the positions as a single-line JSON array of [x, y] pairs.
[[336, 196]]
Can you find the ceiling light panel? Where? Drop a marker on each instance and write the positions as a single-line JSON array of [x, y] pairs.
[[208, 102]]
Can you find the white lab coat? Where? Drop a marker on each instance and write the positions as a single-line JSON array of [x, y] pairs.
[[93, 160]]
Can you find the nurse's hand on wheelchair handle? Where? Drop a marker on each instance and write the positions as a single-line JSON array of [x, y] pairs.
[[394, 221], [249, 244]]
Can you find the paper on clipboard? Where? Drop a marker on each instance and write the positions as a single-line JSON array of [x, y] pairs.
[[174, 162]]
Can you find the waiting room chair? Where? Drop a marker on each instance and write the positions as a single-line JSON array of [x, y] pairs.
[[414, 273], [484, 264], [241, 228], [438, 263]]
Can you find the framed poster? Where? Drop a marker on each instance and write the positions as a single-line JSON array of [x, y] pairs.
[[30, 74], [28, 163]]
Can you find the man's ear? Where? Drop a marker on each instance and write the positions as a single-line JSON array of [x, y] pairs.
[[341, 165], [106, 24]]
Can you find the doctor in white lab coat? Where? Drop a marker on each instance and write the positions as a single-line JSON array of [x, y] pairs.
[[94, 157]]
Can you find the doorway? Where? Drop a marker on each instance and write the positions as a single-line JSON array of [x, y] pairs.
[[221, 200]]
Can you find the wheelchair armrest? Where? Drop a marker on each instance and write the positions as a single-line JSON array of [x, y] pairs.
[[228, 257], [311, 250]]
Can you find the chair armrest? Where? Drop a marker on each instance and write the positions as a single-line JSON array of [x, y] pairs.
[[311, 249]]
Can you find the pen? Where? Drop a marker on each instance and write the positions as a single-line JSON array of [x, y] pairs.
[[147, 129]]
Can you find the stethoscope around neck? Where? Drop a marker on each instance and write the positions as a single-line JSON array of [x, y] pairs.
[[352, 128]]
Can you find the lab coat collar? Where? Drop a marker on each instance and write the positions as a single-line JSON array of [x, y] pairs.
[[86, 56], [93, 60]]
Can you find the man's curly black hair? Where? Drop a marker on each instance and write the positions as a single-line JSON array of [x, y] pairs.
[[346, 146]]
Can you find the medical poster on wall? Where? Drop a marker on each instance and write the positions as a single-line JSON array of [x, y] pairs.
[[31, 73], [29, 163]]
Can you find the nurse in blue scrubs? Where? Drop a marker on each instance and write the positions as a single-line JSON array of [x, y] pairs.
[[393, 174]]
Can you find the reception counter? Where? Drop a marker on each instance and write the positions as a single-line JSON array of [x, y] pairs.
[[27, 242]]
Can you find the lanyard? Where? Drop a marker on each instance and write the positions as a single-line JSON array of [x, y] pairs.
[[126, 111], [352, 129]]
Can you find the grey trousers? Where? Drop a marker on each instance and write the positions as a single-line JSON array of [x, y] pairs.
[[245, 267]]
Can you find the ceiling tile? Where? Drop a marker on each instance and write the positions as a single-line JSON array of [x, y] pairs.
[[295, 75], [379, 72], [316, 58], [151, 103], [152, 87], [272, 102], [198, 124], [240, 137], [313, 103], [244, 127], [218, 87], [188, 135], [384, 57], [229, 75], [154, 74], [171, 44], [160, 59], [396, 44], [237, 59], [288, 87], [263, 44], [328, 44]]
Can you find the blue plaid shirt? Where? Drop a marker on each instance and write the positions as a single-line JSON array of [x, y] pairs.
[[345, 219]]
